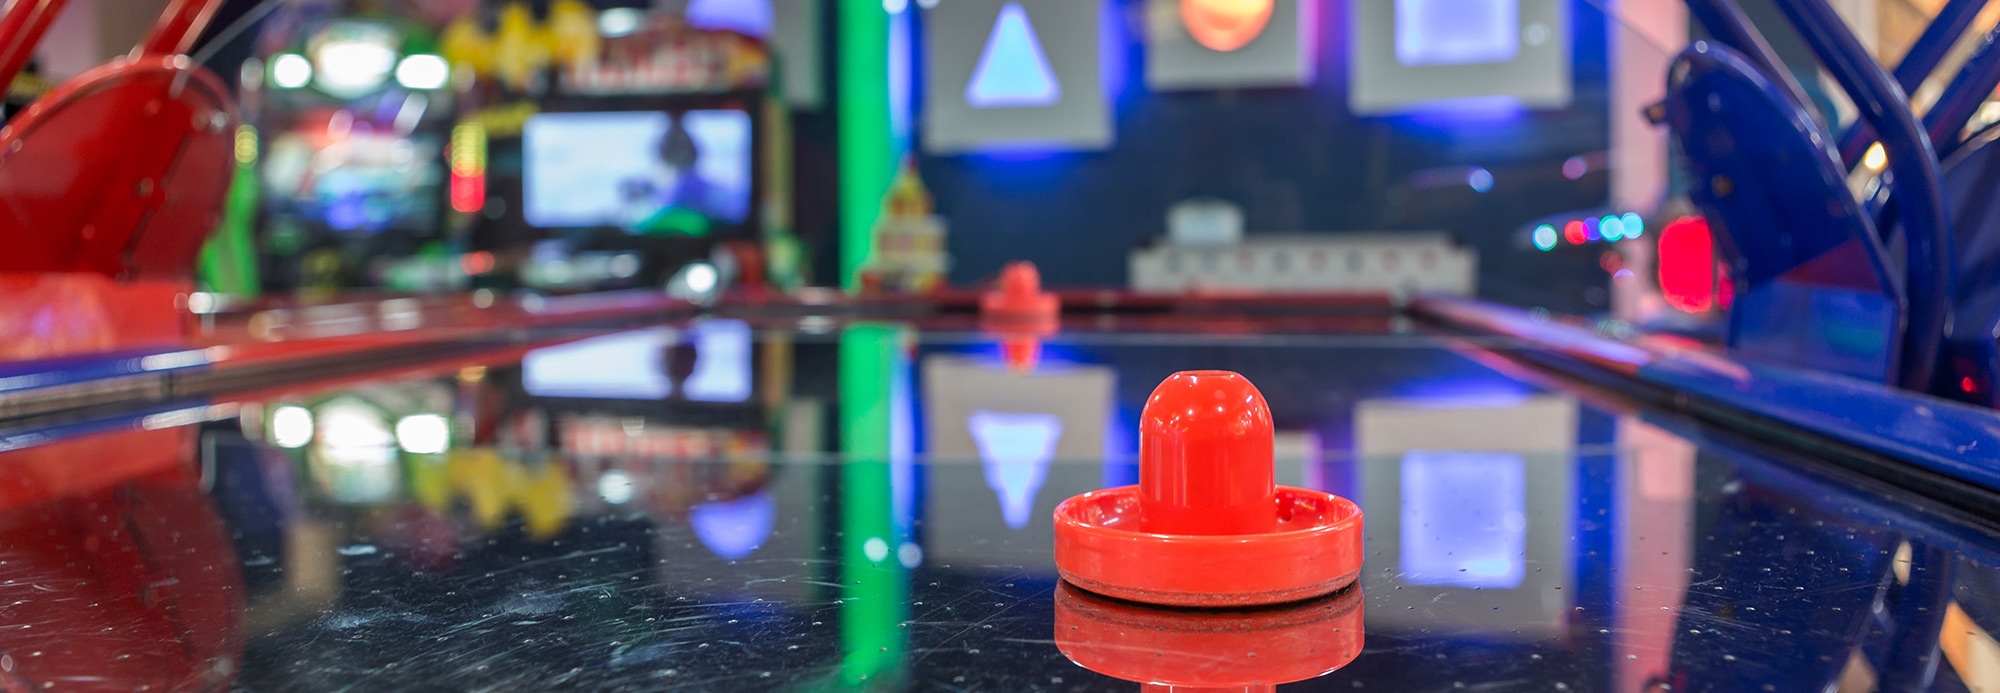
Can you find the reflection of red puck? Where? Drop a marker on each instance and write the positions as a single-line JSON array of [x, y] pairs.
[[1207, 525], [1019, 298], [1021, 314], [1237, 649]]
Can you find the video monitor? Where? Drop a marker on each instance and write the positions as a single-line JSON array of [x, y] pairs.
[[622, 168]]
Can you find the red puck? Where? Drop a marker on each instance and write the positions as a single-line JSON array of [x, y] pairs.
[[1207, 525]]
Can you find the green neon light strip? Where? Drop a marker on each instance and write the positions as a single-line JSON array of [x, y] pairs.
[[228, 261], [867, 144], [874, 594]]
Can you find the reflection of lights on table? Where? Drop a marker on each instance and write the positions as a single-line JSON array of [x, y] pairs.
[[615, 487], [423, 434], [734, 529], [291, 427], [619, 21], [624, 365], [722, 371], [355, 453]]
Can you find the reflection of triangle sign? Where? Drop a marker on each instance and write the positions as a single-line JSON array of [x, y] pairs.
[[1012, 71], [1015, 450]]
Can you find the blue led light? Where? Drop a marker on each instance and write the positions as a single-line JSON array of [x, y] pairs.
[[1479, 179], [1634, 225], [1457, 32], [1611, 227], [1545, 237], [1012, 71]]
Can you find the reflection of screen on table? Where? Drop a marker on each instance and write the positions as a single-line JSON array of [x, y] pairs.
[[627, 365], [633, 365], [621, 168]]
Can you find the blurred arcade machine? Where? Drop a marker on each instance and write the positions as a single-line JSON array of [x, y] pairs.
[[506, 147], [631, 408], [616, 148], [351, 117]]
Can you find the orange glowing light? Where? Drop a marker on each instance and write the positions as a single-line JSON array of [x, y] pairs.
[[1225, 25], [479, 262]]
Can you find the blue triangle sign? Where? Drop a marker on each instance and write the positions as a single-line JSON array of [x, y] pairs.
[[1012, 71]]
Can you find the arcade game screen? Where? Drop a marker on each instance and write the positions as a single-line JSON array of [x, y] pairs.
[[621, 168], [353, 179]]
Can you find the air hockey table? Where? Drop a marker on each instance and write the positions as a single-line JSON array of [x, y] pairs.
[[809, 495]]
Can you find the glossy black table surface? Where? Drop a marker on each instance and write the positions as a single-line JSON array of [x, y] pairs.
[[717, 506]]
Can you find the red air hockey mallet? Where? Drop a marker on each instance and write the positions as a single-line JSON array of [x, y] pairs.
[[1021, 314], [1207, 525]]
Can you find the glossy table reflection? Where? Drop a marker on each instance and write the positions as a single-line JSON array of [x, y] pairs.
[[722, 506]]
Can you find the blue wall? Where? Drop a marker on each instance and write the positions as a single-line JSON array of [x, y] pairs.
[[1295, 159]]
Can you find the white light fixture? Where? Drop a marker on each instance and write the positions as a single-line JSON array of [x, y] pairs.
[[701, 277], [291, 427], [619, 21], [1876, 159], [423, 434], [350, 426], [290, 71], [201, 303], [423, 71], [353, 66], [624, 265]]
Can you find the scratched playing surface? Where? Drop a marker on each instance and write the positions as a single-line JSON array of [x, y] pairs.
[[1520, 536]]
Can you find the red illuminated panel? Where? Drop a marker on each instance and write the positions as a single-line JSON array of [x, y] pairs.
[[1687, 264], [1573, 232], [1225, 25], [468, 193], [468, 167]]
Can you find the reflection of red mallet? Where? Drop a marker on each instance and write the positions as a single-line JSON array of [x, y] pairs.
[[1207, 525], [1021, 314], [1187, 650]]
